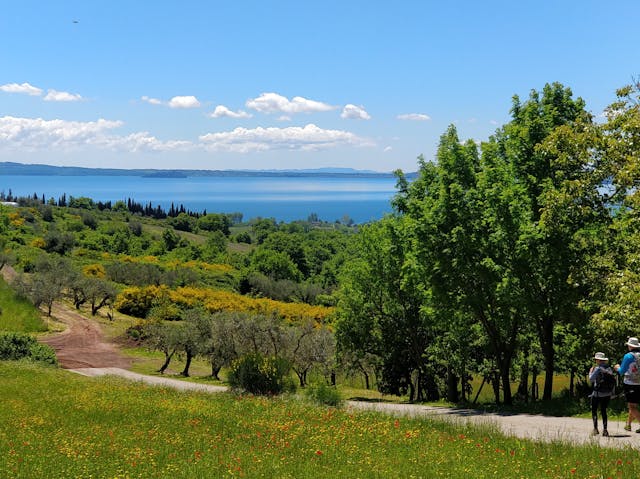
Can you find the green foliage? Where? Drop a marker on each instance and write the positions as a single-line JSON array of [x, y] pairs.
[[215, 222], [15, 346], [215, 246], [324, 394], [58, 242], [182, 222], [276, 265], [262, 375]]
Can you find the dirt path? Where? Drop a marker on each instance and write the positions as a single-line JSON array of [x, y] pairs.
[[81, 344]]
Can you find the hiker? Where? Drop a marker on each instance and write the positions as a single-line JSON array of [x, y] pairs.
[[630, 369], [603, 381]]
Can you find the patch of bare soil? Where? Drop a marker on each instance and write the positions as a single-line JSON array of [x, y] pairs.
[[82, 344]]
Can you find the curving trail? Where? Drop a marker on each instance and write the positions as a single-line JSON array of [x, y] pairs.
[[82, 343]]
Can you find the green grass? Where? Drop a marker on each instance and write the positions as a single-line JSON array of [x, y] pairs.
[[56, 424], [17, 314]]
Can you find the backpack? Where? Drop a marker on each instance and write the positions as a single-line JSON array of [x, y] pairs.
[[634, 371], [605, 381]]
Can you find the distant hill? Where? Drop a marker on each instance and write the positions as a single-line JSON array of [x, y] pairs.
[[12, 168]]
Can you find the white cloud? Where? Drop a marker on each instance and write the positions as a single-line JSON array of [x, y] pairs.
[[274, 103], [223, 111], [33, 134], [309, 137], [388, 148], [24, 88], [353, 112], [189, 101], [54, 95], [37, 134], [414, 117], [151, 101]]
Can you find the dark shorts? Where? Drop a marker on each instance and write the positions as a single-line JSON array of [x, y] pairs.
[[632, 393]]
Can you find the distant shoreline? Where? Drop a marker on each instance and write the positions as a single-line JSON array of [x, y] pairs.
[[21, 169]]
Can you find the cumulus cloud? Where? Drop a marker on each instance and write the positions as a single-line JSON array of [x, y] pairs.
[[353, 112], [274, 103], [414, 117], [188, 101], [388, 148], [309, 137], [54, 95], [222, 111], [38, 134], [28, 89], [24, 88], [151, 101]]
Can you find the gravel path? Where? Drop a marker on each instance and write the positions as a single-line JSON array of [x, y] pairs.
[[526, 426], [151, 380]]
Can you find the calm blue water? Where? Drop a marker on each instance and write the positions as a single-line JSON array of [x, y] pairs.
[[283, 198]]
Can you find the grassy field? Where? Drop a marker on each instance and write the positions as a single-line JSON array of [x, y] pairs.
[[56, 424], [17, 314]]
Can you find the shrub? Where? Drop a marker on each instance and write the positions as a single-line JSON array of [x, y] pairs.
[[14, 346], [264, 375], [324, 394], [43, 353]]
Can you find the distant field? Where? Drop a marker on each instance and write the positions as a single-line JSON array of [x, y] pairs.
[[56, 424]]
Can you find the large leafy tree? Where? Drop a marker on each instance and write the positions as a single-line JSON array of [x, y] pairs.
[[470, 215], [381, 311], [550, 143], [618, 314]]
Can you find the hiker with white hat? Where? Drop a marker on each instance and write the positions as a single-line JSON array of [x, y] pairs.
[[603, 381], [630, 370]]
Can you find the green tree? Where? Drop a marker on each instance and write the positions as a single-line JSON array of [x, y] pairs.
[[469, 218], [550, 143], [215, 222], [381, 309], [274, 264]]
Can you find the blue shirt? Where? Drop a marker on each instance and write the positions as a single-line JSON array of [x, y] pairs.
[[629, 369]]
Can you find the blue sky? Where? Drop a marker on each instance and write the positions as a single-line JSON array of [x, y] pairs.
[[290, 84]]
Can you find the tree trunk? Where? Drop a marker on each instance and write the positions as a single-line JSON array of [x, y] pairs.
[[523, 387], [452, 386], [548, 354], [572, 377], [534, 384], [215, 371], [167, 359], [506, 387], [366, 379], [484, 380], [495, 383], [187, 365], [412, 390]]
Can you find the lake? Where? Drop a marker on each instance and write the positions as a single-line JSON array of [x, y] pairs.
[[284, 198]]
